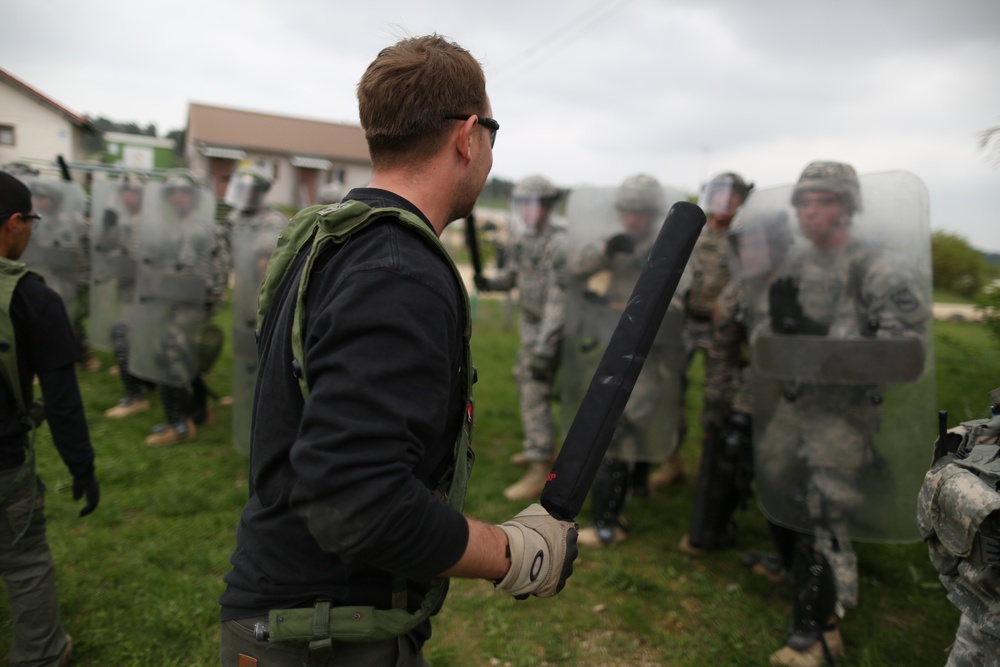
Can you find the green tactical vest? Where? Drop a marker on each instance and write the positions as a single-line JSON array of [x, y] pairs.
[[11, 273], [318, 226]]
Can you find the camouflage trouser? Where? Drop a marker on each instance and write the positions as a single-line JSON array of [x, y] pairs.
[[973, 647], [535, 399], [29, 574], [810, 465], [844, 562], [697, 335], [177, 352]]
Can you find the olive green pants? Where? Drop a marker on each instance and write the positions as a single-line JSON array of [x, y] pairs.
[[29, 575], [239, 648]]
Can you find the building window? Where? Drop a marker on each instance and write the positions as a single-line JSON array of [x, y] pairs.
[[6, 135]]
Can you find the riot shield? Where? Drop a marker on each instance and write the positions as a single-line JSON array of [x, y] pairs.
[[114, 242], [252, 248], [169, 311], [603, 269], [55, 250], [841, 348]]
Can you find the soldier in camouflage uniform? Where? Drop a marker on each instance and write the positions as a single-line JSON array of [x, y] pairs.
[[116, 241], [64, 229], [759, 241], [639, 202], [174, 341], [709, 267], [537, 267], [958, 512], [814, 448], [254, 230]]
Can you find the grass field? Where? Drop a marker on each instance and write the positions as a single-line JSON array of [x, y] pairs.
[[140, 578]]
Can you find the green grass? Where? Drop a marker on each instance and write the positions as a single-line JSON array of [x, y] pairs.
[[140, 578]]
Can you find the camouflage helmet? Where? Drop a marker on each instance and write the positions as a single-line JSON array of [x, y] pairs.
[[536, 188], [181, 179], [20, 169], [728, 182], [47, 189], [640, 193], [132, 180], [837, 178]]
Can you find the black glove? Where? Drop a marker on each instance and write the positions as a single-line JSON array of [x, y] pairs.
[[786, 311], [737, 431], [87, 485], [541, 367], [619, 243], [482, 282]]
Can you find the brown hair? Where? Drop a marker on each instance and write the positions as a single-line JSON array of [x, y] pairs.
[[407, 91]]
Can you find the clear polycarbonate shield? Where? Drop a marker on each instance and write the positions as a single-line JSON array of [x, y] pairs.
[[176, 241], [55, 250], [603, 269], [244, 192], [841, 349], [114, 242], [252, 248]]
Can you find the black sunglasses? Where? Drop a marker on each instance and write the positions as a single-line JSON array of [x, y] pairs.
[[489, 123], [30, 217]]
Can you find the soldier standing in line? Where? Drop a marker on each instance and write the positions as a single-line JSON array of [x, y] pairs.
[[759, 241], [182, 279], [536, 266], [60, 252], [958, 512], [254, 230], [115, 247], [603, 272], [709, 264], [845, 321]]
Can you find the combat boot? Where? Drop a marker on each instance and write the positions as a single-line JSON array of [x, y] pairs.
[[596, 538], [822, 652], [520, 459], [530, 486], [671, 472], [127, 406], [173, 434]]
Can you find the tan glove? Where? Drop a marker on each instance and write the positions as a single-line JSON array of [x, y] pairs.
[[542, 551]]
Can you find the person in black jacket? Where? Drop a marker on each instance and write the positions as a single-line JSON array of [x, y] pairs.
[[344, 531], [36, 339]]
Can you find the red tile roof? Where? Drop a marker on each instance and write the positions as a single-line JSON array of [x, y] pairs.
[[252, 130]]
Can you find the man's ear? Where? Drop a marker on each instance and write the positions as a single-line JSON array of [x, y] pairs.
[[463, 138]]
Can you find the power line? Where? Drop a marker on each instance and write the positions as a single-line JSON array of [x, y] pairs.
[[562, 35]]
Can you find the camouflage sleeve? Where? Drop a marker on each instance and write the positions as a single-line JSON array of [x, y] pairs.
[[587, 261], [222, 264], [553, 322], [723, 359], [894, 299]]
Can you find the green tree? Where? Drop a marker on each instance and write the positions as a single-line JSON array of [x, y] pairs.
[[958, 267]]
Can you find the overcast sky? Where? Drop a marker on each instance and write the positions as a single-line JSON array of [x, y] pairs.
[[585, 91]]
